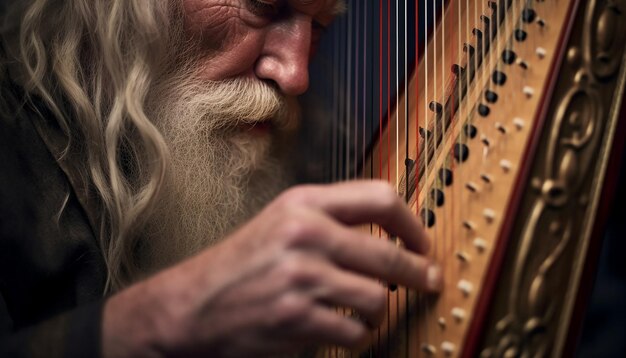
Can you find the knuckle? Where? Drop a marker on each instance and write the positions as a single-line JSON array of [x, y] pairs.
[[296, 271], [291, 309], [375, 305], [356, 336], [394, 261], [387, 196], [298, 195], [296, 229]]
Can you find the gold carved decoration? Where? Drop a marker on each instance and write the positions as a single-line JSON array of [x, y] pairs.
[[543, 265]]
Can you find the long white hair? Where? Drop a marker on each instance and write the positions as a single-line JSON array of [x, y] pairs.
[[92, 63]]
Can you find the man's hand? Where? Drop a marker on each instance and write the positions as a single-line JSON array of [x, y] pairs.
[[271, 286]]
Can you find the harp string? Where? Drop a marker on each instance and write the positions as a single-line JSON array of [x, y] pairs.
[[438, 125], [348, 101], [423, 309], [397, 119]]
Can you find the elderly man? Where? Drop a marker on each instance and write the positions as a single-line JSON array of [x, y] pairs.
[[142, 151]]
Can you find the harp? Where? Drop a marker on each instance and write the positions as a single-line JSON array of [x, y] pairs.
[[501, 135]]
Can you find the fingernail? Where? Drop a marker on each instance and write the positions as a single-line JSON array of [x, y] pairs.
[[434, 278]]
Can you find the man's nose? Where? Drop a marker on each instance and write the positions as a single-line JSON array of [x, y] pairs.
[[285, 55]]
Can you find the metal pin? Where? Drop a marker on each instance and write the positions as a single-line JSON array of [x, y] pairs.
[[429, 348], [541, 22], [528, 91], [485, 140], [471, 187], [486, 178], [506, 165], [469, 225], [448, 348], [462, 256], [518, 123], [442, 322], [521, 63], [435, 107], [500, 128], [465, 287], [458, 314], [541, 52], [480, 244], [489, 214]]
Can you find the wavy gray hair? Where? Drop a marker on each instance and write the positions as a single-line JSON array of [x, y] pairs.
[[92, 63]]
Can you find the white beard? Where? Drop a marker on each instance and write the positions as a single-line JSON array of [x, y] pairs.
[[221, 174]]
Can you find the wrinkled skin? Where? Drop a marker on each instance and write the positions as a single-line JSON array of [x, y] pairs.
[[269, 288], [243, 39]]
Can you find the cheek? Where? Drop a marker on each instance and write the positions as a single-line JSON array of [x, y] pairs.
[[237, 59]]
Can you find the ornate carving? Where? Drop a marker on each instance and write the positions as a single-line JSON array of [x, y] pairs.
[[603, 37], [545, 251]]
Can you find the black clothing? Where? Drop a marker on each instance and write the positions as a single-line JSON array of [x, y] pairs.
[[50, 260]]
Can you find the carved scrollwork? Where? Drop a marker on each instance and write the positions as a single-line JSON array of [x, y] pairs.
[[543, 248], [604, 26]]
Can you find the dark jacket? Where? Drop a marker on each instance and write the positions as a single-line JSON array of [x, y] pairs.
[[52, 272]]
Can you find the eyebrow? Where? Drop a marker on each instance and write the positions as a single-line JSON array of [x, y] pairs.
[[340, 7]]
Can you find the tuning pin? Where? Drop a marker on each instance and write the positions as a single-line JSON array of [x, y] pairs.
[[528, 91], [435, 107], [541, 52], [505, 165], [471, 186], [501, 128], [468, 48], [457, 69], [521, 63], [498, 78], [483, 110], [461, 152], [448, 348], [528, 15], [471, 131], [429, 349], [465, 287], [485, 141], [486, 178], [491, 96], [425, 134], [480, 245], [469, 225], [489, 215], [428, 218], [509, 56], [409, 163], [458, 314], [462, 256]]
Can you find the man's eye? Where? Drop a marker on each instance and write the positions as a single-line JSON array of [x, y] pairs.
[[263, 7]]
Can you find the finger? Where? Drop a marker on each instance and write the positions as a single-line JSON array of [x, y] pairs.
[[326, 326], [365, 201], [324, 282], [374, 257]]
